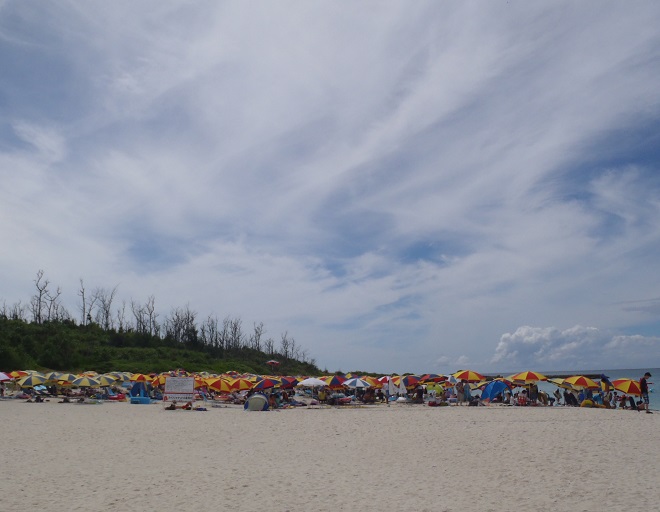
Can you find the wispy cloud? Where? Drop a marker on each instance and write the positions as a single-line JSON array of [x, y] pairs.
[[395, 190]]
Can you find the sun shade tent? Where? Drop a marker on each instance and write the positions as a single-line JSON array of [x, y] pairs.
[[256, 402], [493, 390]]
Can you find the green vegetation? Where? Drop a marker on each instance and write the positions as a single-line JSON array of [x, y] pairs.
[[64, 345]]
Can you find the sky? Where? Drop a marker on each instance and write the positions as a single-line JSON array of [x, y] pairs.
[[398, 186]]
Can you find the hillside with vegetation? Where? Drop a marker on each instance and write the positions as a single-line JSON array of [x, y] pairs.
[[42, 334]]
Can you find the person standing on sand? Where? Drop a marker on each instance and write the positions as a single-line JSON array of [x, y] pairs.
[[460, 393], [644, 388]]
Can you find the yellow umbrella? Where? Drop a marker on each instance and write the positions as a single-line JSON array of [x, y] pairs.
[[139, 377], [31, 380], [527, 377], [241, 384], [469, 375], [106, 380], [580, 381], [219, 384], [86, 382], [560, 383]]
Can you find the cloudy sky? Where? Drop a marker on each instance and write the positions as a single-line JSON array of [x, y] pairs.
[[399, 186]]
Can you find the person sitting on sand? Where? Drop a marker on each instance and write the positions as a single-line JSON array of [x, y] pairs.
[[172, 406]]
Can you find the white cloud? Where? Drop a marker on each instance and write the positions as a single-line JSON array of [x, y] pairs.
[[576, 348]]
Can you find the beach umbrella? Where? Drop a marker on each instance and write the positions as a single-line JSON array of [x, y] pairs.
[[85, 382], [580, 381], [356, 383], [266, 383], [560, 383], [241, 384], [410, 380], [219, 384], [159, 380], [627, 386], [373, 381], [121, 376], [4, 376], [52, 376], [288, 382], [106, 380], [312, 382], [335, 381], [432, 377], [66, 377], [17, 374], [527, 377], [30, 381], [469, 375], [139, 377]]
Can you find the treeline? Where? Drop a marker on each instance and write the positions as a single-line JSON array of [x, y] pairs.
[[110, 335]]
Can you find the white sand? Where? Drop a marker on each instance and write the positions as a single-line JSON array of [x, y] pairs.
[[117, 456]]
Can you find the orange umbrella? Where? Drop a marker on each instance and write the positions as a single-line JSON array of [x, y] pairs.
[[469, 375], [627, 386], [139, 377]]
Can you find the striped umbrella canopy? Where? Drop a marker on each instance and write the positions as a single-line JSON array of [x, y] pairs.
[[121, 376], [86, 382], [30, 381], [266, 383], [526, 377], [627, 386], [334, 381], [17, 374], [288, 382], [219, 384], [410, 380], [52, 376], [241, 384], [140, 377], [4, 376], [357, 383], [469, 375], [580, 381], [373, 381], [66, 377], [159, 380], [432, 377], [106, 380], [560, 383]]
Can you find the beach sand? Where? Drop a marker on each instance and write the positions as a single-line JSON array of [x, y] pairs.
[[117, 456]]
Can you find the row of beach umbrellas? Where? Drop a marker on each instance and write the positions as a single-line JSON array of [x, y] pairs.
[[234, 382]]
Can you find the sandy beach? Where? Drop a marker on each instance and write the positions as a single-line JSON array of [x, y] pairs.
[[123, 457]]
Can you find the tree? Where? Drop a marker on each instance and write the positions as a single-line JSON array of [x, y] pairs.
[[37, 303], [104, 310], [86, 305]]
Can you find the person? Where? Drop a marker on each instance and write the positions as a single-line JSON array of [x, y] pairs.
[[2, 388], [557, 396], [467, 393], [172, 406], [644, 388], [533, 393], [460, 392]]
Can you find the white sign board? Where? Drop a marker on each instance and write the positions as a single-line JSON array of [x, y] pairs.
[[179, 388]]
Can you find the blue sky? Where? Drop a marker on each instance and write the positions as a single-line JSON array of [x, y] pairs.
[[401, 187]]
